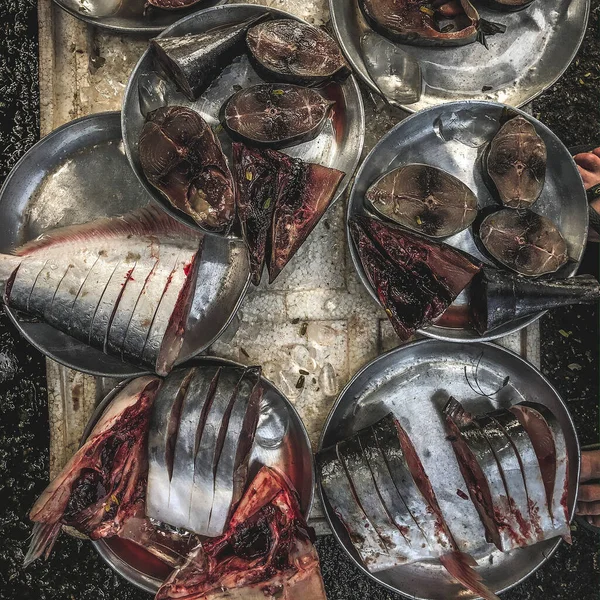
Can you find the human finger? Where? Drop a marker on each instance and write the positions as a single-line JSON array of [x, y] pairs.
[[589, 493], [590, 465], [588, 508]]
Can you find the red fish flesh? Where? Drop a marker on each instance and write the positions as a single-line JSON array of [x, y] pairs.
[[104, 483], [415, 279], [266, 553]]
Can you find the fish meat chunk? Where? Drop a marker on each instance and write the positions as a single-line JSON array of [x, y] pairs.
[[112, 283], [267, 552], [103, 484]]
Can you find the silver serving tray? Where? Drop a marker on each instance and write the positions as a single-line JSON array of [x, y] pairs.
[[339, 145], [128, 16], [414, 383], [293, 456], [538, 46], [453, 137], [76, 174]]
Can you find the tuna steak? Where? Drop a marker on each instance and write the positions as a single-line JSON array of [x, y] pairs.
[[415, 279], [103, 484], [516, 163], [424, 199], [275, 115], [266, 553], [291, 51], [193, 61], [256, 182], [550, 447], [123, 285], [426, 23], [181, 156], [524, 241]]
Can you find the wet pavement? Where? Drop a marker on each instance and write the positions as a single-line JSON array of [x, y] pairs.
[[570, 340]]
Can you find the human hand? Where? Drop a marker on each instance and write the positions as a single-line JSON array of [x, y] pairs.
[[588, 500]]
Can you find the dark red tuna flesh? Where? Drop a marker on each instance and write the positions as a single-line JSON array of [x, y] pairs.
[[415, 279], [291, 51], [516, 163], [275, 115], [524, 241], [267, 552], [181, 157], [172, 4]]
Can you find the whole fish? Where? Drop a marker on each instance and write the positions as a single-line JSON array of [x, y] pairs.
[[267, 552], [123, 284], [103, 484]]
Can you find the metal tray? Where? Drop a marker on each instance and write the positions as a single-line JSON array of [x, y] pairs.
[[414, 383], [339, 145], [128, 16], [78, 173], [453, 137], [538, 46], [292, 456]]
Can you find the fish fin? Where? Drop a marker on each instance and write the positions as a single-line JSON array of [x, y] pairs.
[[460, 566], [149, 220], [9, 265], [42, 540]]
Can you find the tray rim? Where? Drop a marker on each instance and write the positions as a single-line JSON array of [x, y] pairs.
[[426, 331], [408, 348]]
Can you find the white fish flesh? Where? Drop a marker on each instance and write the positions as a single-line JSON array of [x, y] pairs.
[[123, 284]]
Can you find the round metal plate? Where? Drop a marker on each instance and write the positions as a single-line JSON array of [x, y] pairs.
[[76, 174], [128, 16], [293, 456], [339, 145], [453, 137], [414, 382], [539, 44]]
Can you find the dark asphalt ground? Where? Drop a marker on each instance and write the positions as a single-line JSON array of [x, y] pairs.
[[74, 571]]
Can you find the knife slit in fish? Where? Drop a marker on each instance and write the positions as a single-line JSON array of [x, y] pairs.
[[49, 309], [116, 306], [34, 283], [91, 269], [106, 287]]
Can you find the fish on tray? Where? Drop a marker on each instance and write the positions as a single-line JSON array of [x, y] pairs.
[[103, 484], [203, 425], [280, 201], [377, 486], [266, 553], [415, 279], [123, 285]]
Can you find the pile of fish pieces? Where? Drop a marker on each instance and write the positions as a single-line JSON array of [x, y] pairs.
[[123, 285], [202, 430], [415, 278], [267, 552], [377, 486], [515, 464], [435, 23], [279, 200]]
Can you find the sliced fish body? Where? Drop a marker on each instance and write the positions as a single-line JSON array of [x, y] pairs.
[[196, 405], [550, 446], [363, 483], [338, 491], [207, 455], [164, 425], [18, 276], [231, 473], [539, 514], [433, 531], [510, 470], [417, 546]]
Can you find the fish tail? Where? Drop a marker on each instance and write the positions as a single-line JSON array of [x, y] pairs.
[[9, 265], [460, 566], [42, 540]]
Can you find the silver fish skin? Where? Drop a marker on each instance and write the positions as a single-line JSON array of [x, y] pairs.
[[418, 548], [550, 445], [338, 491], [87, 281], [164, 425], [359, 474], [539, 513], [514, 482], [196, 404], [433, 531], [231, 473], [207, 456]]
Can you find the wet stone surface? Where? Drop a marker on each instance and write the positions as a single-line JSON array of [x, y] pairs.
[[324, 350]]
